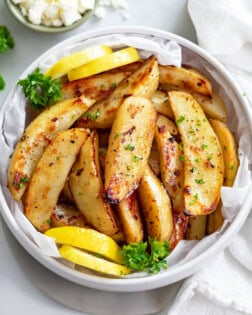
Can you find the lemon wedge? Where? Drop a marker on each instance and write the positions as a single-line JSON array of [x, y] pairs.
[[77, 59], [84, 259], [105, 63], [87, 239]]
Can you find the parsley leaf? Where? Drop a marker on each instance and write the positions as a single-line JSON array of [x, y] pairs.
[[2, 83], [137, 257], [41, 90], [6, 40]]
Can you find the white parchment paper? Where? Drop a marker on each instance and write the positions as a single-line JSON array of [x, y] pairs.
[[16, 116]]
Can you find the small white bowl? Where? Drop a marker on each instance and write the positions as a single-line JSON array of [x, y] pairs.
[[176, 272]]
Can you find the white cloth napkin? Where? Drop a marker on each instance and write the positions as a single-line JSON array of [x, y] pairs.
[[224, 28]]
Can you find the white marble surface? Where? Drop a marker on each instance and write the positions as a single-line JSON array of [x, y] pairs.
[[25, 284]]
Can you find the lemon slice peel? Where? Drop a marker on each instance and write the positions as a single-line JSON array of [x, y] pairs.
[[105, 63], [77, 59], [90, 261], [87, 239]]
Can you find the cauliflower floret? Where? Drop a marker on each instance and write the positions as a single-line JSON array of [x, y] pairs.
[[85, 5]]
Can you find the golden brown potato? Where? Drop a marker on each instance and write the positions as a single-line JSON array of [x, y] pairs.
[[196, 228], [156, 207], [230, 155], [36, 137], [171, 162], [50, 175], [95, 87], [129, 147], [161, 103], [143, 82], [214, 220], [214, 107], [130, 218], [176, 78], [180, 222], [87, 189], [231, 164], [67, 215], [203, 158]]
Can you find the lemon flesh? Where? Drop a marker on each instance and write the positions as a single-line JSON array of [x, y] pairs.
[[84, 259], [77, 59], [105, 63], [87, 239]]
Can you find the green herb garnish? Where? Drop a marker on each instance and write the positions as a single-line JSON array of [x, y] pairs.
[[92, 116], [129, 147], [41, 90], [179, 120], [138, 257], [6, 41]]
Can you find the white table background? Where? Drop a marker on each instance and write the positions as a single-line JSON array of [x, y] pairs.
[[20, 274]]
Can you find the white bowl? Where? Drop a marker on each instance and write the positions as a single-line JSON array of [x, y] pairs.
[[193, 263]]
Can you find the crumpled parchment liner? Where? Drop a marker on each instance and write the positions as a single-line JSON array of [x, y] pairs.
[[16, 117]]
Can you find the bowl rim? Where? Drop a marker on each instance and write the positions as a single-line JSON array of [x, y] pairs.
[[175, 274], [16, 12]]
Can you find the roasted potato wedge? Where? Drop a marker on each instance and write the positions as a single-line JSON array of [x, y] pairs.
[[130, 218], [180, 222], [143, 82], [231, 164], [36, 137], [196, 228], [214, 107], [129, 147], [95, 87], [67, 215], [161, 103], [171, 162], [50, 175], [229, 149], [214, 220], [156, 207], [87, 189], [174, 78], [203, 158]]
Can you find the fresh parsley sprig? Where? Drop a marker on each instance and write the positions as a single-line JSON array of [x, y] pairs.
[[41, 90], [6, 41], [141, 257]]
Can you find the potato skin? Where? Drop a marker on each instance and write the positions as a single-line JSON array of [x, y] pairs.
[[36, 137], [143, 82], [156, 207], [87, 189], [171, 165], [50, 175], [129, 147], [67, 215], [203, 158], [95, 87], [130, 218], [176, 78]]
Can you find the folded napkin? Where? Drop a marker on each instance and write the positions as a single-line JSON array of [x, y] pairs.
[[224, 29]]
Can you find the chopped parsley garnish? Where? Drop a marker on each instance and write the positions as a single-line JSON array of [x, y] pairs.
[[179, 120], [136, 158], [92, 116], [199, 181], [182, 158], [41, 90], [138, 257], [204, 146], [129, 147]]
